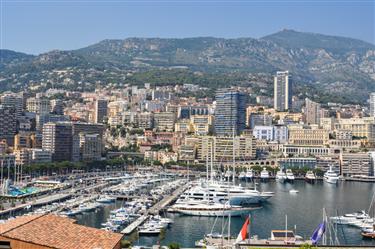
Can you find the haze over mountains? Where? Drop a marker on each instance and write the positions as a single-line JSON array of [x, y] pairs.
[[336, 65]]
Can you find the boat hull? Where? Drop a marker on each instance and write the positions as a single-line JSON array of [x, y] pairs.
[[310, 180], [245, 200], [214, 213], [331, 180], [281, 179]]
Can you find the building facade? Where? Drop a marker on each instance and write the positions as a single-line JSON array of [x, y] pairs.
[[356, 164], [226, 148], [282, 91], [90, 147], [38, 105], [312, 112], [101, 106], [8, 123], [372, 104], [58, 139], [230, 112]]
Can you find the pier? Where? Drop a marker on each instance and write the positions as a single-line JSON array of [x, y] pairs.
[[167, 200], [39, 202], [129, 229], [155, 209]]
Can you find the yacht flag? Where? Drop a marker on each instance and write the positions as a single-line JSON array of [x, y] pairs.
[[318, 233], [244, 231]]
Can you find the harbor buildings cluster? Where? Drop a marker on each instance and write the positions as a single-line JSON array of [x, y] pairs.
[[165, 126]]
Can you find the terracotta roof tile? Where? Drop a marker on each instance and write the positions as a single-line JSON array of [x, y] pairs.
[[62, 233], [13, 223]]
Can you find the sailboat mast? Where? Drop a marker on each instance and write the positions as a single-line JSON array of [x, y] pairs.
[[234, 158], [324, 220], [286, 228], [212, 145], [207, 167], [229, 229]]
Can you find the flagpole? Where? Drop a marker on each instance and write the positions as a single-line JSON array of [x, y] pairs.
[[324, 236], [249, 227]]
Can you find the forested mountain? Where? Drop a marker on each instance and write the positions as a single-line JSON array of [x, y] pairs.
[[330, 65]]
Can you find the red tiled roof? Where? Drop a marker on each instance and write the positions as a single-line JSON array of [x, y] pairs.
[[59, 232], [13, 223]]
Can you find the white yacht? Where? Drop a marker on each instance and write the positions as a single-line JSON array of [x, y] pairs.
[[228, 174], [331, 176], [281, 176], [205, 208], [242, 175], [223, 192], [289, 175], [249, 174], [264, 175], [351, 219], [106, 199], [310, 176], [149, 229]]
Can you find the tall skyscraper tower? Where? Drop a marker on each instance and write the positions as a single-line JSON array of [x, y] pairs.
[[282, 91], [230, 112], [101, 106], [8, 123], [372, 104], [14, 100], [58, 139]]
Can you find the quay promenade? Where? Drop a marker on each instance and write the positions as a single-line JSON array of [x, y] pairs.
[[38, 202]]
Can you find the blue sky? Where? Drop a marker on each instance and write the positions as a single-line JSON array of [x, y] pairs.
[[36, 26]]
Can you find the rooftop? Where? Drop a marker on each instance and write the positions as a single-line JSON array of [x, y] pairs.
[[58, 232]]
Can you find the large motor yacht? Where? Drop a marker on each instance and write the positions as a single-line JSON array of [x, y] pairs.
[[281, 176], [289, 175], [223, 192], [207, 208], [310, 176], [331, 176], [264, 174]]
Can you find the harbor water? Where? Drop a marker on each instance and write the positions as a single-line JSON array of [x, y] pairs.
[[304, 212]]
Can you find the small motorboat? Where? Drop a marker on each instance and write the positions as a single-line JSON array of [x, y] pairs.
[[293, 191]]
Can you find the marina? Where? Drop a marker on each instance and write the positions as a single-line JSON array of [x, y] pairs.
[[149, 208], [271, 216]]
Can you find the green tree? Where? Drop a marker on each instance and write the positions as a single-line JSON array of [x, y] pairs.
[[125, 243], [174, 245]]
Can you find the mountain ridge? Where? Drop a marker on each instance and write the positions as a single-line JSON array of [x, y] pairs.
[[317, 60]]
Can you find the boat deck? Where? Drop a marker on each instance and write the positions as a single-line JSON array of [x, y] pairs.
[[258, 243]]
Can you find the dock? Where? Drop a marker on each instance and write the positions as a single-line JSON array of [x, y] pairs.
[[129, 229], [167, 200], [155, 209]]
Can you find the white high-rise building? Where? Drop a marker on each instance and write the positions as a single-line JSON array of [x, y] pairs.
[[282, 91], [372, 104]]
